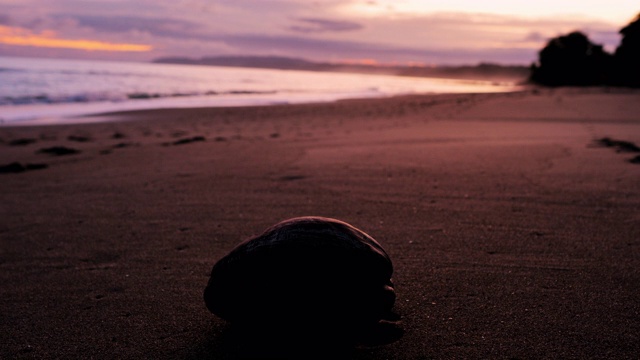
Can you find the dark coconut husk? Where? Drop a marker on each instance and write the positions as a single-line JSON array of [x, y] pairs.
[[307, 277]]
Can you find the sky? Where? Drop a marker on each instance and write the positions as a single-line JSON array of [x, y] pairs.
[[362, 31]]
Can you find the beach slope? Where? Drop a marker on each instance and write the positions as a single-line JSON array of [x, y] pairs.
[[513, 232]]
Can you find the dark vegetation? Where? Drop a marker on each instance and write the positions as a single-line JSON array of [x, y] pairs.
[[573, 60], [621, 146]]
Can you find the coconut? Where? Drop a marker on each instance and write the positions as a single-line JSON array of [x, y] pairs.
[[306, 274]]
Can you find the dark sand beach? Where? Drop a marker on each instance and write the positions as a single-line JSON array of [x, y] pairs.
[[514, 232]]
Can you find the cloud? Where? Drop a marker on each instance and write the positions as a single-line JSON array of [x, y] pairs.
[[316, 25], [158, 26], [323, 49], [317, 30], [535, 36]]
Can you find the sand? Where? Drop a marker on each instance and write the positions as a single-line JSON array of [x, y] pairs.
[[513, 234]]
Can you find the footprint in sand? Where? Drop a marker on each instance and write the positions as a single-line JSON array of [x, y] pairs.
[[187, 141], [121, 145], [292, 177], [58, 151], [16, 167], [22, 142], [78, 138]]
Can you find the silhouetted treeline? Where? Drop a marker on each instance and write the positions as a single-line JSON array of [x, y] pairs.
[[627, 55], [573, 60]]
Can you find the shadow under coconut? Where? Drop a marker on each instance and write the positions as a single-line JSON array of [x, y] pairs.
[[225, 341]]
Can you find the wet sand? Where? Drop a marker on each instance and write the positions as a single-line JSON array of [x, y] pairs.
[[513, 228]]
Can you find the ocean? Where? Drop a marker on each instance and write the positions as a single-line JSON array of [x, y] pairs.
[[55, 91]]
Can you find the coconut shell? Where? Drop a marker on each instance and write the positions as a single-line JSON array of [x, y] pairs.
[[303, 272]]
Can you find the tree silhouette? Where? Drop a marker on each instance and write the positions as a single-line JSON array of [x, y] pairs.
[[627, 56], [572, 60]]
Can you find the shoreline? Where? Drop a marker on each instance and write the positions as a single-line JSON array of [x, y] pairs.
[[75, 87], [512, 234], [98, 116]]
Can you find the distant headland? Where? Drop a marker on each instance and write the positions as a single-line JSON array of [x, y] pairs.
[[483, 71]]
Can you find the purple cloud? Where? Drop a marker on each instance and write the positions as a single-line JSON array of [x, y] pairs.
[[5, 20], [158, 26], [316, 25]]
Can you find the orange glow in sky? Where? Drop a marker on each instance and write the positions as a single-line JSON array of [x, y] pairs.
[[373, 62], [359, 62], [23, 37]]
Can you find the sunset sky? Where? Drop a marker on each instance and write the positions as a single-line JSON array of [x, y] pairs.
[[400, 31]]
